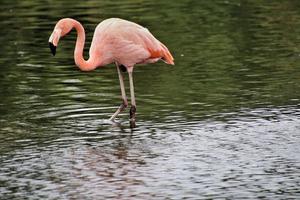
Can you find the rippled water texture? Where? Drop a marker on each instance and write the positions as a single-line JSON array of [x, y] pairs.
[[224, 122]]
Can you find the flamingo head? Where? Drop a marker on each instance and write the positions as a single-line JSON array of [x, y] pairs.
[[62, 28]]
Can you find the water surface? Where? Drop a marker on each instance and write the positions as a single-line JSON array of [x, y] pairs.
[[224, 122]]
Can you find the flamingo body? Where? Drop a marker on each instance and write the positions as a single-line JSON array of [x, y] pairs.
[[115, 41], [127, 43]]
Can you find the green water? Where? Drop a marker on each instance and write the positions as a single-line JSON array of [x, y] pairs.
[[224, 122]]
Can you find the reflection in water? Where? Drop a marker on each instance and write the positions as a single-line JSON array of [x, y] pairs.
[[224, 122], [184, 160]]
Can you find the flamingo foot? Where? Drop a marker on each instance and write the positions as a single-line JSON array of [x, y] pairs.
[[120, 109], [132, 123], [132, 116]]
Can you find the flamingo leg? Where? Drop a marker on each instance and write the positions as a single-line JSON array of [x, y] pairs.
[[133, 104], [124, 98]]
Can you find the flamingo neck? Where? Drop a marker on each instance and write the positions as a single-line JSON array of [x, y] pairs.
[[83, 65]]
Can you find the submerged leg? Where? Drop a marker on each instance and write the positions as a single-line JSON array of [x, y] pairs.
[[133, 104], [124, 98]]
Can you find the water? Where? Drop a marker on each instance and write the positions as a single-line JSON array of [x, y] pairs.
[[224, 122]]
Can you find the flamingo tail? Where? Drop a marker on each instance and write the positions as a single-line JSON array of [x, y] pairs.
[[167, 56]]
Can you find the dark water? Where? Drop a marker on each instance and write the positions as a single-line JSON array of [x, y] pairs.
[[224, 122]]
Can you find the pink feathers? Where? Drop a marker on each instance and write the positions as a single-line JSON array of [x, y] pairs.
[[127, 43]]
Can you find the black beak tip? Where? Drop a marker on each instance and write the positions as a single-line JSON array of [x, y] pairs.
[[52, 48]]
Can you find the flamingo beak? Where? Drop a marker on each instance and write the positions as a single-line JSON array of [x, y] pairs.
[[53, 40], [52, 48]]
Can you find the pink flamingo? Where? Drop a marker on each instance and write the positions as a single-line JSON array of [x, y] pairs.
[[115, 40]]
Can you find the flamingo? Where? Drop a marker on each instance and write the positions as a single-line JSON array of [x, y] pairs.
[[118, 41]]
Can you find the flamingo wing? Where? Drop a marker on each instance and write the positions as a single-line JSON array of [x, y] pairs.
[[131, 43], [128, 53]]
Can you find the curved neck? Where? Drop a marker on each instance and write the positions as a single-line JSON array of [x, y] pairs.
[[84, 65]]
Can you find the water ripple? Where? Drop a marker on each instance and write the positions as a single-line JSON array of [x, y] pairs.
[[223, 123]]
